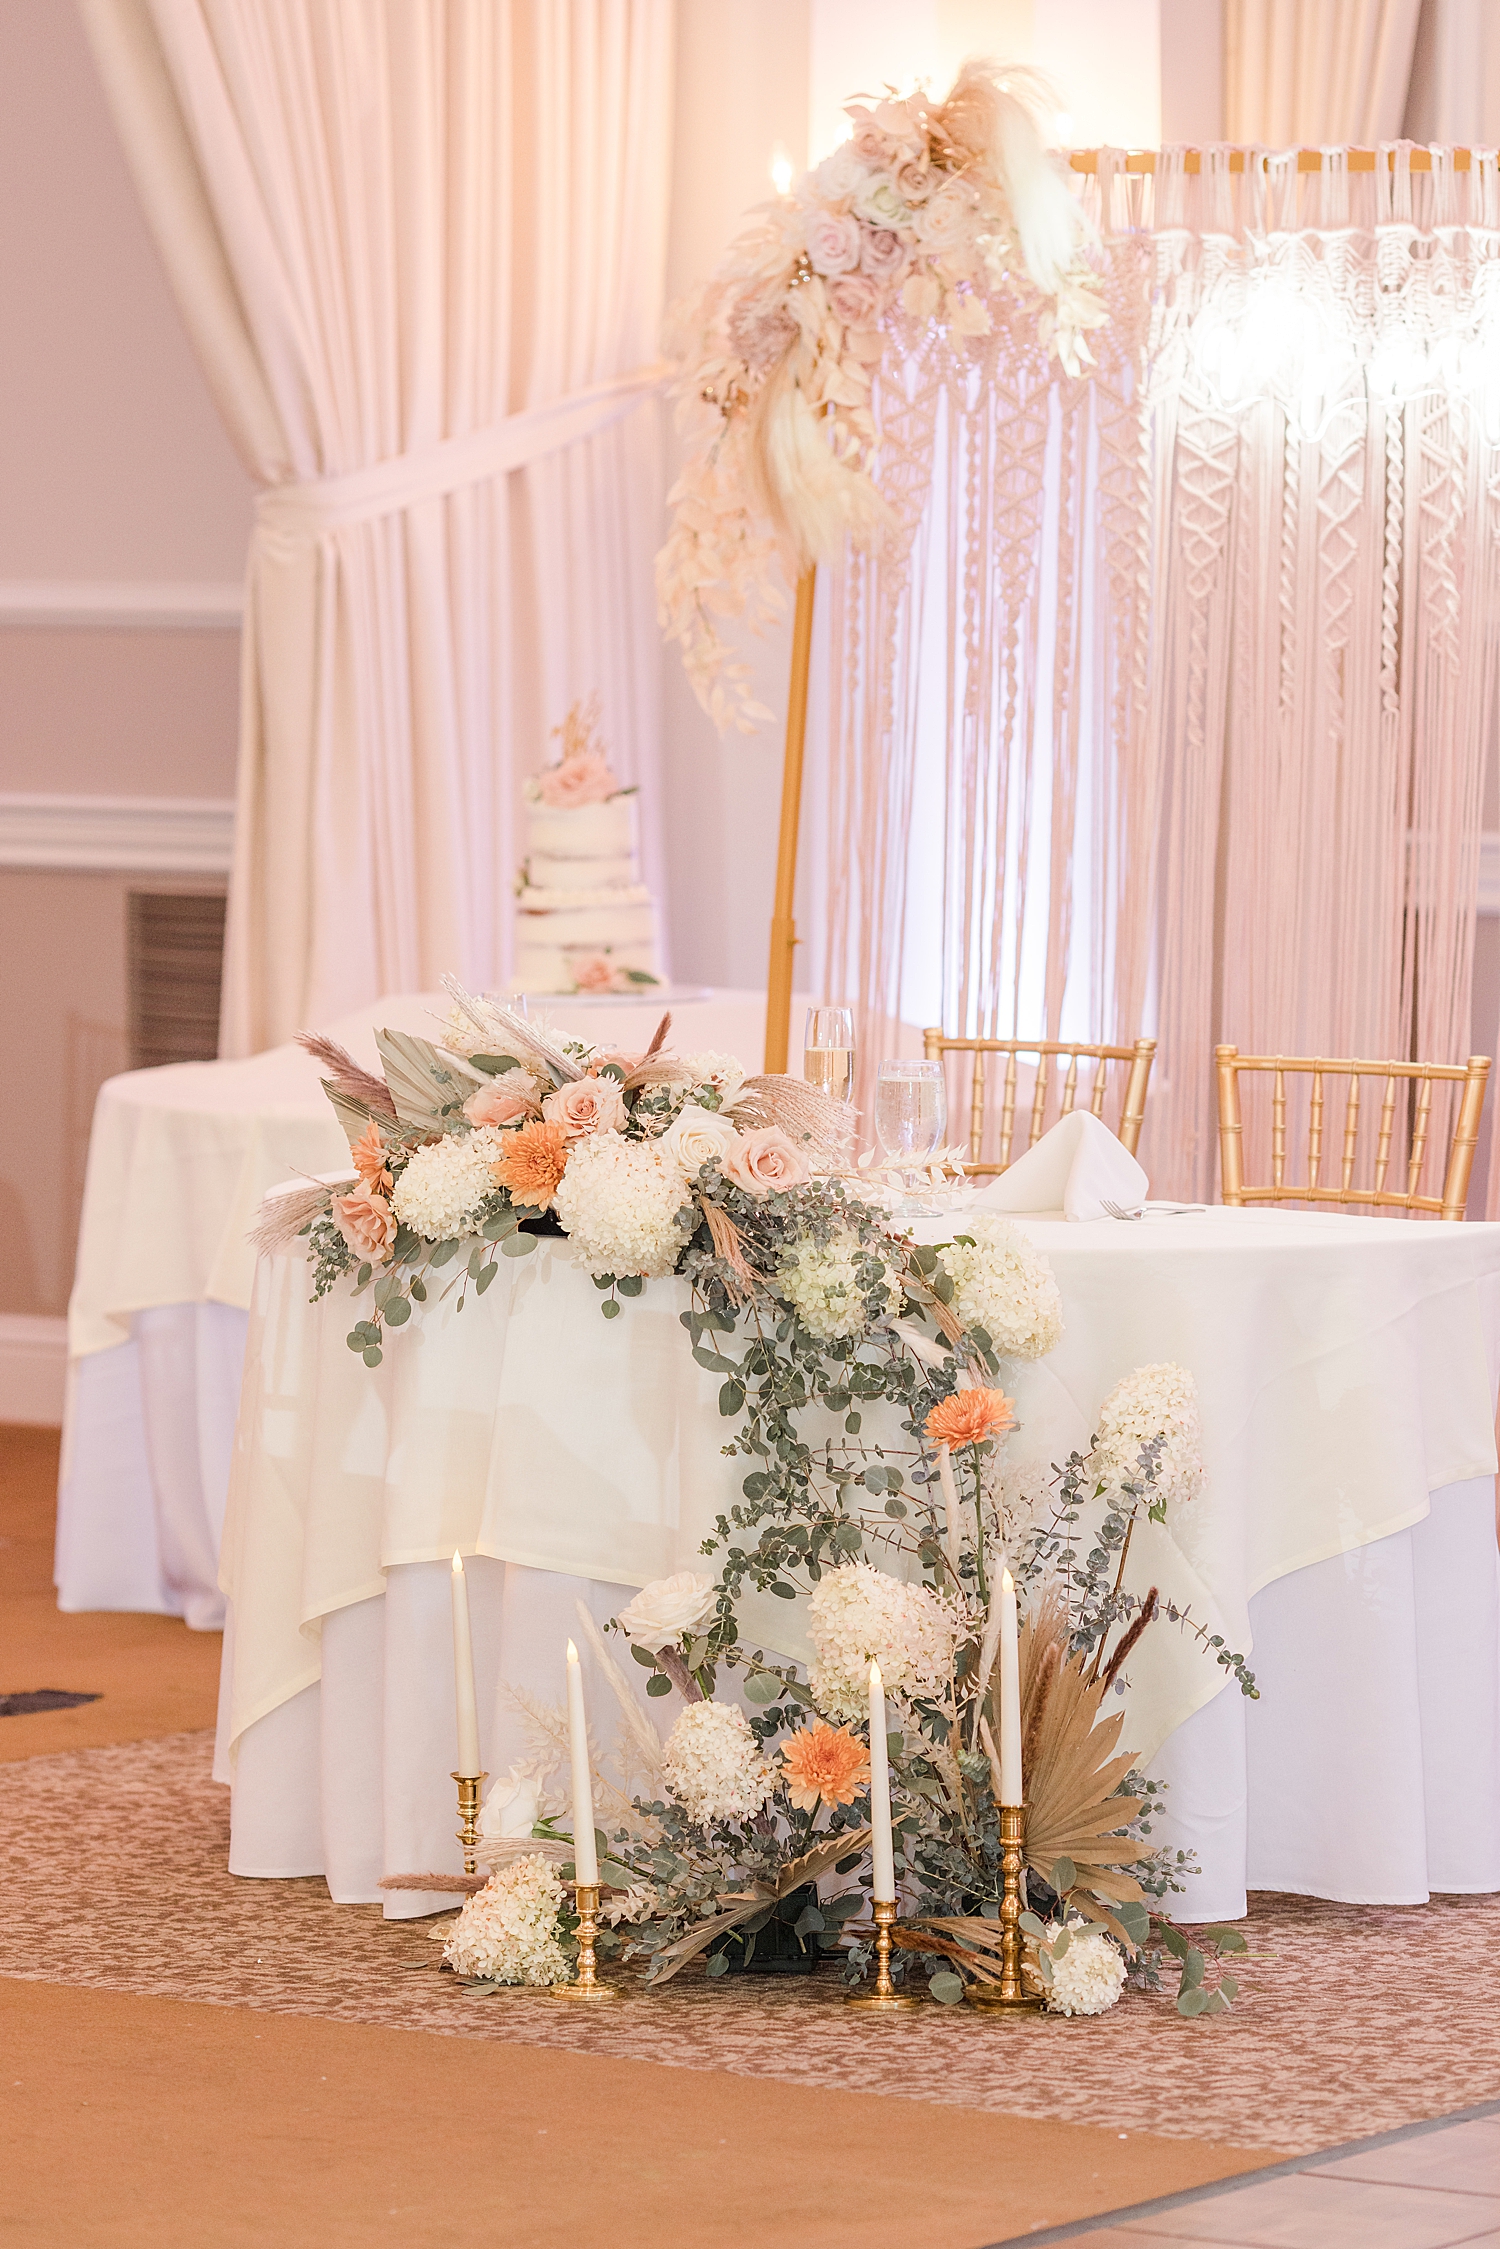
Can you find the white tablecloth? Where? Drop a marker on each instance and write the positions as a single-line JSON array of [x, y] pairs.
[[1345, 1541], [179, 1159]]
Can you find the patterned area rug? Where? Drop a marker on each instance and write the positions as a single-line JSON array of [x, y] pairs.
[[1351, 2020]]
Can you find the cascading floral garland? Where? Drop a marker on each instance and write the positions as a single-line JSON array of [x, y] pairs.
[[857, 1367], [918, 222]]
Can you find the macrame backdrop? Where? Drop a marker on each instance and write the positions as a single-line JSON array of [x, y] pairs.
[[1170, 702]]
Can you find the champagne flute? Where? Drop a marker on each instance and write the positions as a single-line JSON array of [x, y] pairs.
[[828, 1051], [911, 1110]]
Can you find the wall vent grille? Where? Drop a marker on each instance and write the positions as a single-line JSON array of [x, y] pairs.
[[176, 967]]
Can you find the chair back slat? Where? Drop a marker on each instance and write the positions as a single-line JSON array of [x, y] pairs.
[[1383, 1143], [1351, 1134], [1419, 1125], [1058, 1062], [1420, 1080]]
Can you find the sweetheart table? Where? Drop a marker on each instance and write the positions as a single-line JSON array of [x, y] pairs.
[[1345, 1542], [179, 1158]]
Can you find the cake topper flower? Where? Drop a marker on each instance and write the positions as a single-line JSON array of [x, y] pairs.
[[582, 775], [927, 217]]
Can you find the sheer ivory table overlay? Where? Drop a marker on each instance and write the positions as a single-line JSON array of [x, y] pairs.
[[1345, 1541], [179, 1159]]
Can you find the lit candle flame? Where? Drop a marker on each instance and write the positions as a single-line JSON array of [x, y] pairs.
[[458, 1563], [875, 1678], [1007, 1581], [572, 1653], [782, 170]]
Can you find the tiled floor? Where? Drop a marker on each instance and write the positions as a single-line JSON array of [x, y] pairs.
[[1426, 2189]]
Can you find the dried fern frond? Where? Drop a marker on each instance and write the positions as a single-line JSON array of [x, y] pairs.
[[346, 1077], [283, 1215]]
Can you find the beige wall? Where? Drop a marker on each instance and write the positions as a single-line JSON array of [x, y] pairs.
[[113, 466]]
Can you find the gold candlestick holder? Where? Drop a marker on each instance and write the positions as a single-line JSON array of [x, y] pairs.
[[1010, 1994], [587, 1984], [469, 1787], [885, 1995]]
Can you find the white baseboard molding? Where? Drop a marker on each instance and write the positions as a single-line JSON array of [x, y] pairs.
[[122, 605], [121, 835], [33, 1368]]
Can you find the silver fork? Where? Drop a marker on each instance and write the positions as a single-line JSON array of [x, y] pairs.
[[1116, 1211]]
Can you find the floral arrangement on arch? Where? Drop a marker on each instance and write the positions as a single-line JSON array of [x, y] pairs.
[[930, 213]]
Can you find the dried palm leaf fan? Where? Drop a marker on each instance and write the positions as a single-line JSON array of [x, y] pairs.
[[1073, 1773]]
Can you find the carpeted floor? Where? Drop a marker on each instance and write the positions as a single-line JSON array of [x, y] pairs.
[[153, 1676], [113, 1862]]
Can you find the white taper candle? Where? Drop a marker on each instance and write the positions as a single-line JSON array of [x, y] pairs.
[[1011, 1777], [463, 1676], [950, 1505], [882, 1843], [585, 1850]]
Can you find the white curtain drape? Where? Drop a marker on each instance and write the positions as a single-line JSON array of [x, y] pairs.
[[419, 245], [1169, 709], [1317, 71]]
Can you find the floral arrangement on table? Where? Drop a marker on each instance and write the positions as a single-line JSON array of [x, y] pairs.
[[930, 213], [861, 1373]]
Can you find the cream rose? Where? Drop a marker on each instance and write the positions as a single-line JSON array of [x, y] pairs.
[[366, 1223], [767, 1163], [510, 1809], [587, 1105], [832, 242], [668, 1607], [943, 220], [879, 205], [501, 1102], [697, 1136]]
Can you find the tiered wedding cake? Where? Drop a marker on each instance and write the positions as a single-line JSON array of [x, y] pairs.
[[585, 922]]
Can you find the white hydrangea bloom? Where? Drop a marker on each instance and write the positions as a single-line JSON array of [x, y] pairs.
[[509, 1930], [857, 1612], [443, 1186], [1153, 1402], [821, 1281], [1003, 1284], [1090, 1975], [618, 1200], [713, 1765]]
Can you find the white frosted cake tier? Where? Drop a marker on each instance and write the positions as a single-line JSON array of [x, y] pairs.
[[546, 871], [627, 918], [585, 831]]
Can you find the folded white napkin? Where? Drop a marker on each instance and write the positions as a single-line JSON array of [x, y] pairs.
[[1072, 1168]]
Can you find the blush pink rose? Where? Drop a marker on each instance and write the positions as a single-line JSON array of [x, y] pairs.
[[593, 974], [766, 1163], [871, 145], [578, 780], [366, 1223], [587, 1105], [882, 254], [833, 242], [913, 180], [494, 1105], [856, 300]]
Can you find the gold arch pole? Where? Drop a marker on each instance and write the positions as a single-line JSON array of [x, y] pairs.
[[783, 922]]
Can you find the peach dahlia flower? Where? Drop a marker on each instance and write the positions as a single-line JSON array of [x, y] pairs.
[[968, 1417], [533, 1164], [825, 1763]]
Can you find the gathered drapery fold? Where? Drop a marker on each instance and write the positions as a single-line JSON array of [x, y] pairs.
[[420, 247]]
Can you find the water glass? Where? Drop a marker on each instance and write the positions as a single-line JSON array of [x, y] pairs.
[[828, 1051], [911, 1109]]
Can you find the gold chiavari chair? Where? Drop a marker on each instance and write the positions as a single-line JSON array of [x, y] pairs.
[[1049, 1053], [1418, 1078]]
